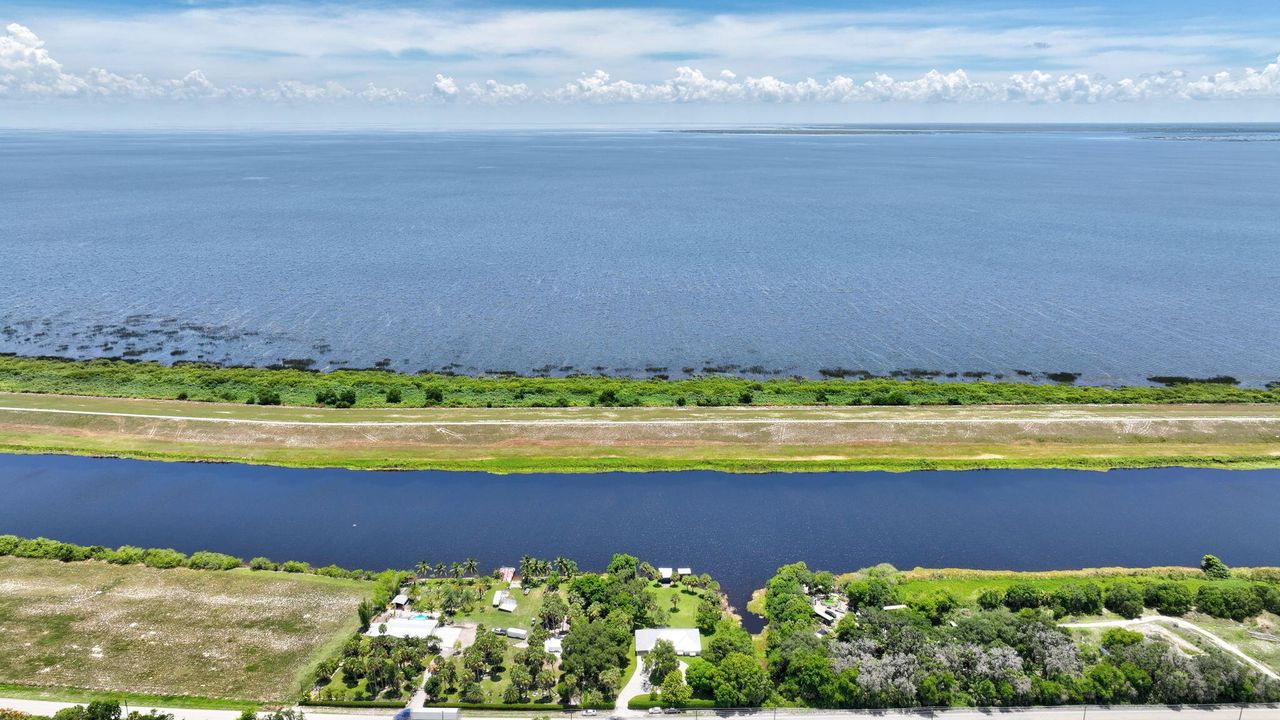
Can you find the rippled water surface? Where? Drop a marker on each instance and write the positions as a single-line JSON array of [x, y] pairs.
[[1113, 252]]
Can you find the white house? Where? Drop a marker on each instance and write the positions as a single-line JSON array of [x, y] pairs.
[[687, 641]]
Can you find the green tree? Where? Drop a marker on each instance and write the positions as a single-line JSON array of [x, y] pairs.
[[675, 693], [701, 676], [1169, 598], [727, 640], [661, 661], [1124, 599], [1214, 569], [1020, 596], [707, 616], [741, 682]]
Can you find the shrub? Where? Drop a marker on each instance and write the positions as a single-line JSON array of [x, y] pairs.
[[1124, 599], [295, 566], [1020, 596], [8, 543], [332, 571], [394, 396], [261, 563], [126, 555], [990, 599], [1168, 598], [1231, 602], [163, 558], [205, 560], [1270, 597], [1077, 599]]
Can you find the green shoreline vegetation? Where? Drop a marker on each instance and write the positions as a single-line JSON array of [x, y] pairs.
[[382, 388], [877, 638]]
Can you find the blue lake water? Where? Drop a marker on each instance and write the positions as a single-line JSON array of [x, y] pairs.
[[1117, 253], [739, 528]]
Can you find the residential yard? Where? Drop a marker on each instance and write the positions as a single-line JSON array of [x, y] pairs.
[[684, 613], [237, 634]]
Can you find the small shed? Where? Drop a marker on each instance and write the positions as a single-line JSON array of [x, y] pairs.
[[508, 604], [684, 571], [665, 573], [400, 601], [553, 646], [499, 596]]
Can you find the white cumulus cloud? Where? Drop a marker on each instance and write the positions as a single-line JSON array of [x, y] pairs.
[[28, 71]]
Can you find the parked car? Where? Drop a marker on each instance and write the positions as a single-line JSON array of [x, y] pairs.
[[655, 711], [589, 712]]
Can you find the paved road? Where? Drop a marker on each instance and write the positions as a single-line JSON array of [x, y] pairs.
[[1185, 625], [1253, 712]]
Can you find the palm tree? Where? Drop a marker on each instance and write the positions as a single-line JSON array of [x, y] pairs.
[[544, 568], [439, 569], [527, 566], [456, 569], [566, 567], [421, 570], [470, 565]]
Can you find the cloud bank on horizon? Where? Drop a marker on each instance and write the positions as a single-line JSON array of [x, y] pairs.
[[148, 61]]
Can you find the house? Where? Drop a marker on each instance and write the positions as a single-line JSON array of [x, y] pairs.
[[553, 646], [400, 601], [823, 612], [508, 604], [664, 574], [687, 641], [684, 571], [517, 633]]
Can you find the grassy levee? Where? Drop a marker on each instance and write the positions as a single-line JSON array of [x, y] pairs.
[[79, 631], [585, 439]]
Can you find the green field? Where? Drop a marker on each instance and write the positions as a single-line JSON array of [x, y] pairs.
[[237, 635]]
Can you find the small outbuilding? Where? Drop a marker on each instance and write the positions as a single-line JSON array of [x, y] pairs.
[[684, 571], [400, 601], [665, 573]]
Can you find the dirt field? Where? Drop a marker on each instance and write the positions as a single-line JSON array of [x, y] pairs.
[[235, 634], [740, 438]]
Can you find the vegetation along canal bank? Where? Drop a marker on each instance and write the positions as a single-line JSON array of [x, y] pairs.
[[374, 419], [153, 625]]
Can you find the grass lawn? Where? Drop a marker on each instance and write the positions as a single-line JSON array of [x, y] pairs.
[[227, 635], [484, 613], [686, 611]]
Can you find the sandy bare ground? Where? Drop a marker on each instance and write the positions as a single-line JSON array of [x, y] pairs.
[[1183, 625]]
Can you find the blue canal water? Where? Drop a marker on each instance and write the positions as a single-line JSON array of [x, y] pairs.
[[1115, 252], [739, 528]]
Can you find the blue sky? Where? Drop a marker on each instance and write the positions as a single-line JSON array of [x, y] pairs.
[[160, 62]]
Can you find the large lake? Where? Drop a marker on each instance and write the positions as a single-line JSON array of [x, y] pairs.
[[1116, 252], [739, 528]]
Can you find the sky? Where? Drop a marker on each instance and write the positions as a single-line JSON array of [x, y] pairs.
[[172, 63]]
